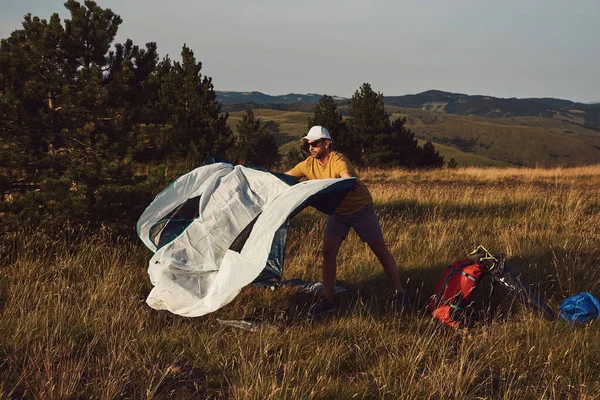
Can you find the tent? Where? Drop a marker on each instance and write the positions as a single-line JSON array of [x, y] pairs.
[[221, 227]]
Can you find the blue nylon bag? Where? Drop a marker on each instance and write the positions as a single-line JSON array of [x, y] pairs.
[[582, 307]]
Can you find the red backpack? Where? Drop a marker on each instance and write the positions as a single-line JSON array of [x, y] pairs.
[[451, 302], [453, 292]]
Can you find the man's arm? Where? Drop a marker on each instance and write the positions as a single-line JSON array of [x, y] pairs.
[[291, 172], [297, 172], [342, 167], [346, 174]]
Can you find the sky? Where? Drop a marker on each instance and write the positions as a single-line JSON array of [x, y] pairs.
[[509, 48]]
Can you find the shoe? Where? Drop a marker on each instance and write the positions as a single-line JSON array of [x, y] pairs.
[[402, 301], [323, 308]]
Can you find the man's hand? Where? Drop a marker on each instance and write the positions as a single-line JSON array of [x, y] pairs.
[[346, 174]]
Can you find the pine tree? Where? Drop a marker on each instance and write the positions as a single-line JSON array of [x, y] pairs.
[[98, 112], [191, 123], [381, 142], [452, 164], [403, 147], [429, 157], [255, 144], [56, 113], [384, 142], [30, 84], [368, 123], [325, 114], [76, 119]]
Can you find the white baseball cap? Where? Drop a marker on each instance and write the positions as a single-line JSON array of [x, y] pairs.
[[315, 133]]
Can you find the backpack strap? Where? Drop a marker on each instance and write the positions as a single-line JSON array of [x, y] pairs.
[[471, 277]]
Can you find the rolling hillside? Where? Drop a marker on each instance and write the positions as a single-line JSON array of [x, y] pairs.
[[521, 141], [471, 140]]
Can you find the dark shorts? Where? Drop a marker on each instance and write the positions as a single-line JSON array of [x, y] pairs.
[[364, 221]]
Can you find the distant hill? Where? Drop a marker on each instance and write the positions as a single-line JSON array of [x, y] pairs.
[[261, 98], [586, 115]]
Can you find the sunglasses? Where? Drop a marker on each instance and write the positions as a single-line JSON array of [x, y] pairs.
[[316, 143]]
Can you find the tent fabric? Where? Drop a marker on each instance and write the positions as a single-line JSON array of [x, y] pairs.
[[581, 307], [217, 228]]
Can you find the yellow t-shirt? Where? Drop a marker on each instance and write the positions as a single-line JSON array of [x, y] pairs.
[[337, 164]]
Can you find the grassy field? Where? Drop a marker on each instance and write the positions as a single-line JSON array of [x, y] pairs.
[[74, 323], [471, 140]]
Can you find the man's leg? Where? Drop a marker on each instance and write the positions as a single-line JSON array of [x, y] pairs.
[[331, 246], [379, 248]]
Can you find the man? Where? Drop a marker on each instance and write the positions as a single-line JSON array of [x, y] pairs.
[[356, 211]]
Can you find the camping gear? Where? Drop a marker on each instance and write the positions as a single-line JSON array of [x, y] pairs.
[[221, 227], [450, 302], [524, 294], [454, 290], [582, 307]]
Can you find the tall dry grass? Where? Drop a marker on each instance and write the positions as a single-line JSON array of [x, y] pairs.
[[74, 324]]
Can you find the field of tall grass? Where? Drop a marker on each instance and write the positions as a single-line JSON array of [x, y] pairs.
[[74, 323]]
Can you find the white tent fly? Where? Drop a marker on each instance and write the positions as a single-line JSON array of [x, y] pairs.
[[221, 227]]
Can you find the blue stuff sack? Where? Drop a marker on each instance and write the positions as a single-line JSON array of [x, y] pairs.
[[582, 307]]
